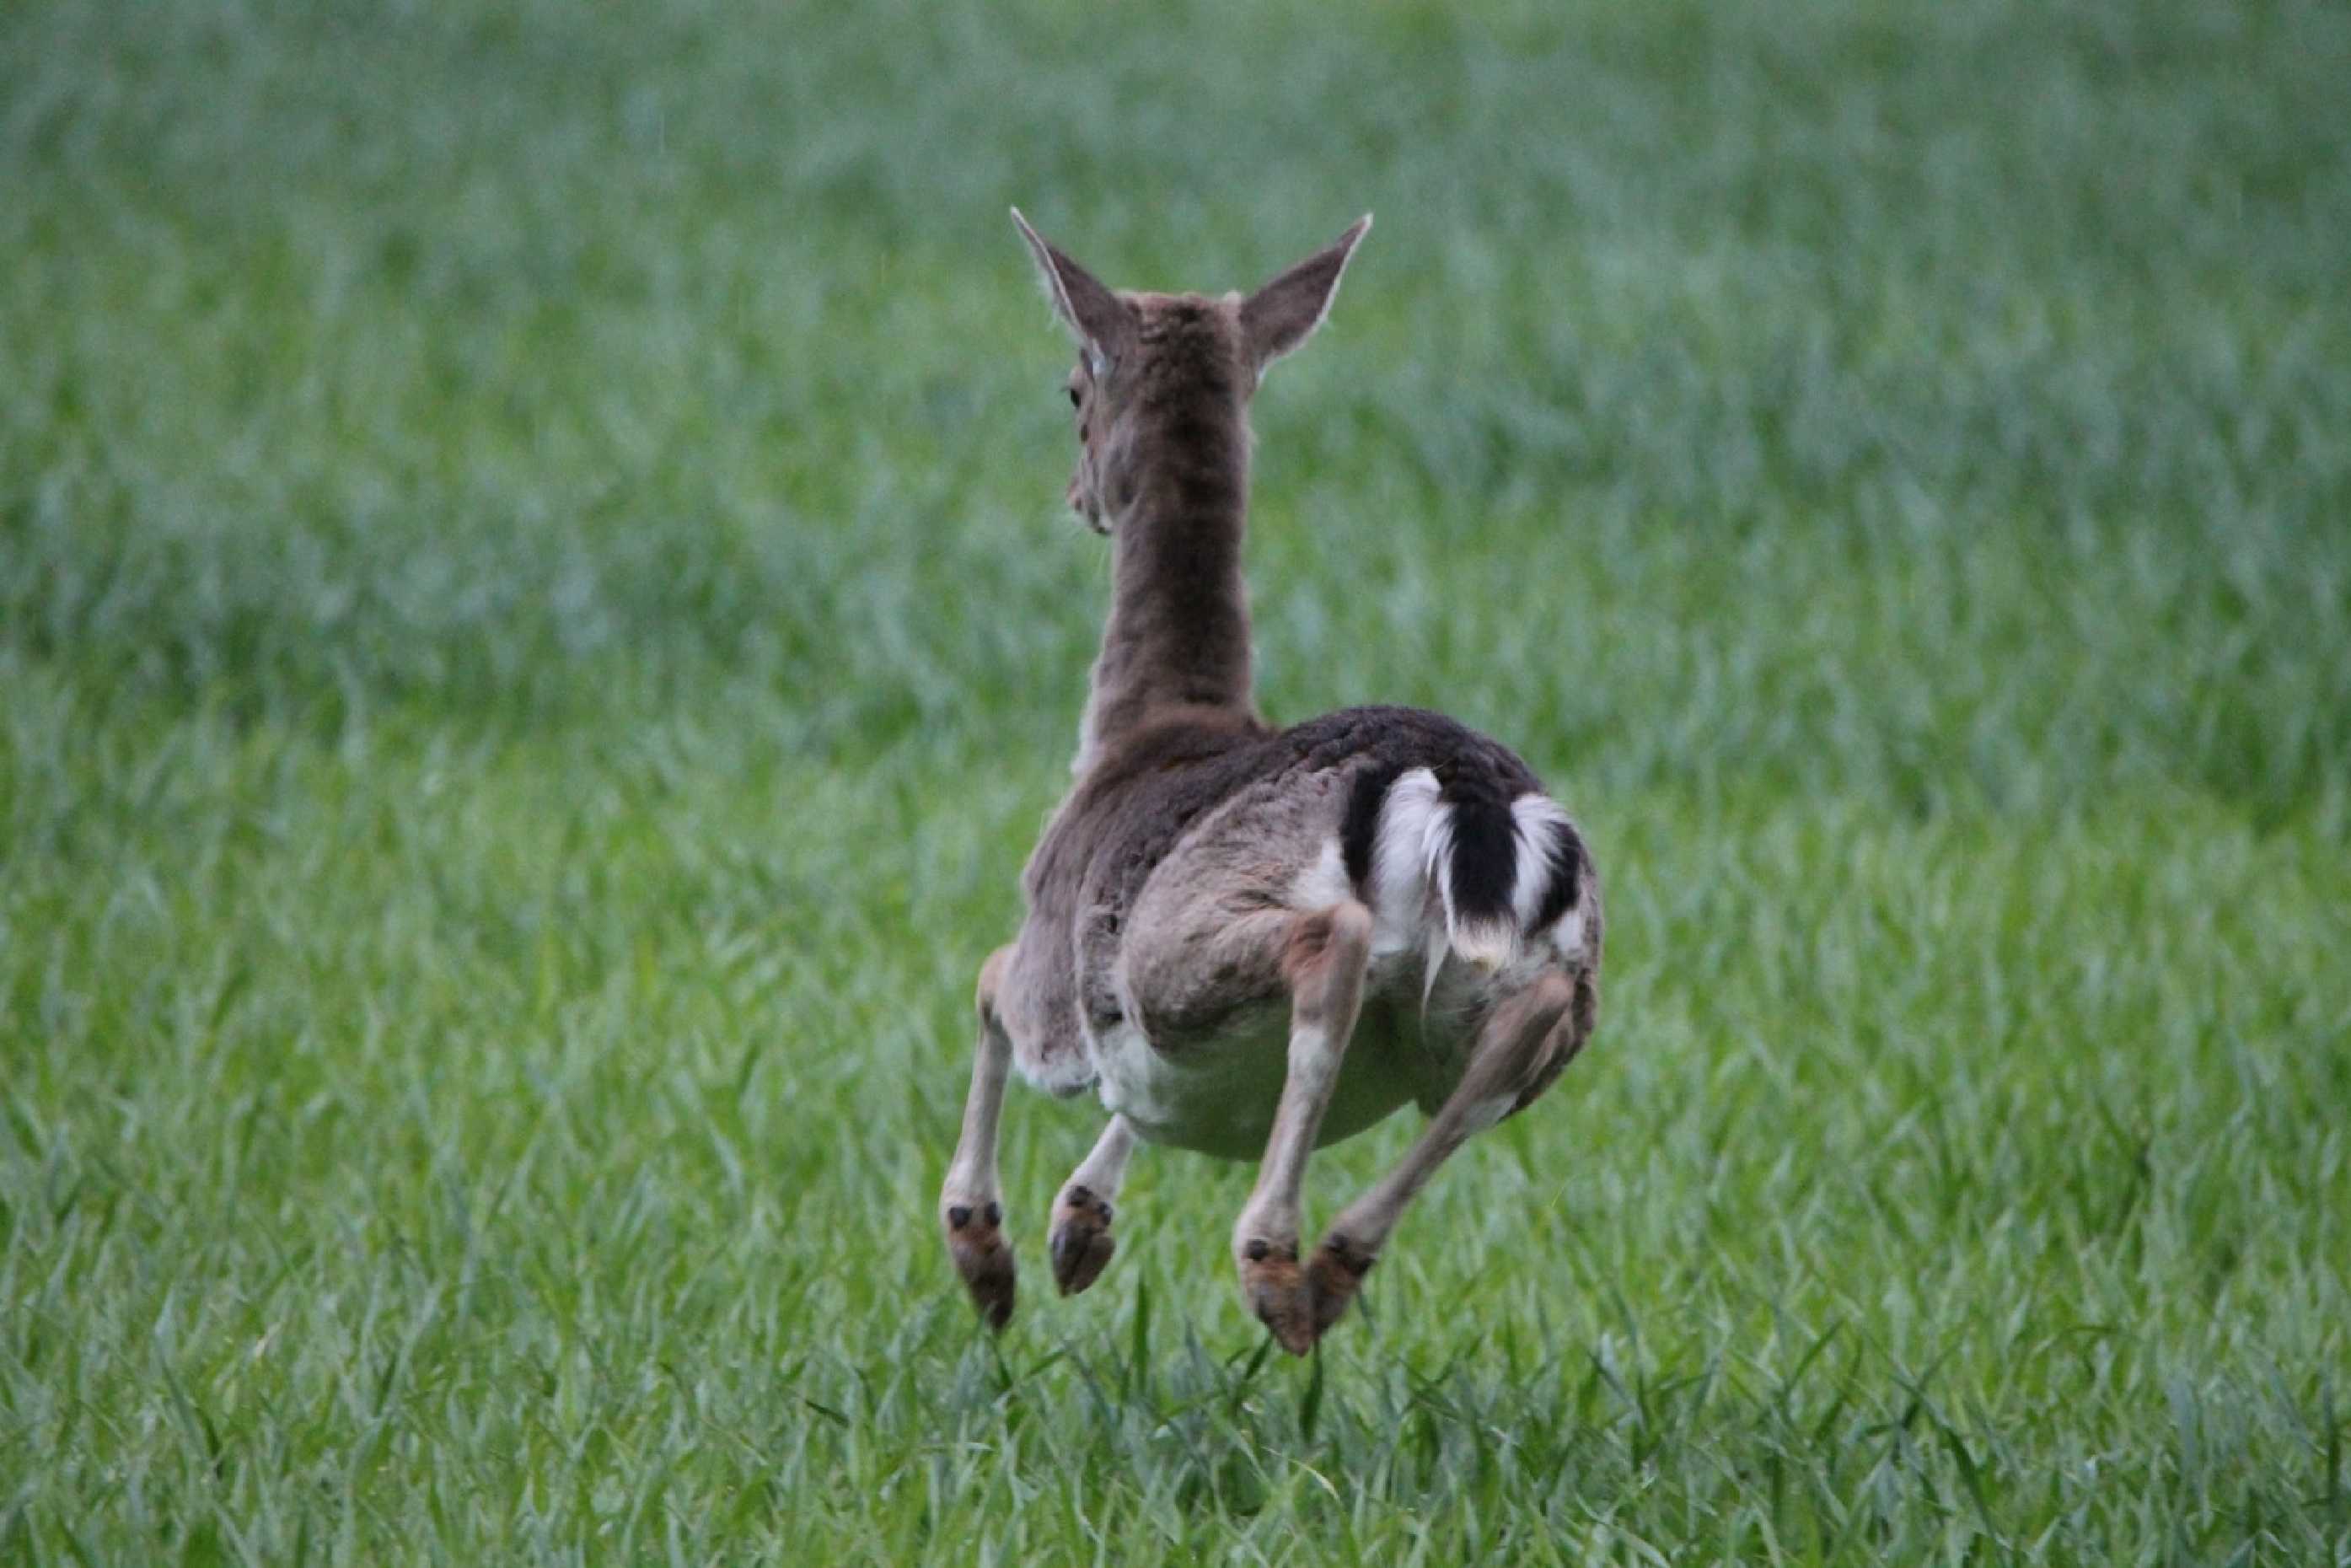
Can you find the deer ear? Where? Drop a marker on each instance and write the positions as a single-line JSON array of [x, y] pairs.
[[1284, 313], [1099, 319]]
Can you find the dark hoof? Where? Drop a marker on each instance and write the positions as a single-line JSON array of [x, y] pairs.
[[1333, 1275], [1082, 1242], [983, 1258], [1276, 1290]]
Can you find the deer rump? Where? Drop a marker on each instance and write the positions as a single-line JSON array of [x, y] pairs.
[[1445, 834]]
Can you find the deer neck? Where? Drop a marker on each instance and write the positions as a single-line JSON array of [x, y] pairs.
[[1178, 640]]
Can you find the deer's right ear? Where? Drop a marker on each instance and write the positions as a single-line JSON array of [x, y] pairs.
[[1098, 319]]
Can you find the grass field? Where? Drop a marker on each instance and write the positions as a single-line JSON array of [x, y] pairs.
[[535, 633]]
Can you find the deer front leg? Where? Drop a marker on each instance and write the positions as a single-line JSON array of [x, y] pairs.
[[969, 1206], [1517, 1053], [1323, 962], [1081, 1243]]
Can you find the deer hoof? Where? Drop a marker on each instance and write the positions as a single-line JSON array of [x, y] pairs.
[[1333, 1275], [1081, 1243], [1276, 1290], [983, 1257]]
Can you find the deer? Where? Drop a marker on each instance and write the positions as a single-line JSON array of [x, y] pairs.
[[1251, 941]]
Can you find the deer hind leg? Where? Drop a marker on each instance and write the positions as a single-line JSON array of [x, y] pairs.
[[969, 1206], [1521, 1048], [1322, 959], [1081, 1243]]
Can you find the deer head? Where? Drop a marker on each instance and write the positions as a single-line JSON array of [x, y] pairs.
[[1173, 349]]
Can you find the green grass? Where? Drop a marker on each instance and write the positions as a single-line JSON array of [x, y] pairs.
[[535, 635]]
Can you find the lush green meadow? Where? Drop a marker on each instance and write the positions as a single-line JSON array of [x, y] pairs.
[[536, 630]]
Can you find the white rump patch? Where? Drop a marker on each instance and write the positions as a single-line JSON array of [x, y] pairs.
[[1324, 883], [1412, 860], [1568, 935], [1412, 879], [1541, 824], [1413, 822]]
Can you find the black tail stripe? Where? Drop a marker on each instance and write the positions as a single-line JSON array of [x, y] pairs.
[[1359, 831], [1485, 848], [1485, 844]]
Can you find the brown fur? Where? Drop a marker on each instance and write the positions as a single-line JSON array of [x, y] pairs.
[[1127, 811], [1169, 458], [1167, 883]]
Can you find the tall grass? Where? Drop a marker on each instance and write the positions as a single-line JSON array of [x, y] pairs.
[[533, 636]]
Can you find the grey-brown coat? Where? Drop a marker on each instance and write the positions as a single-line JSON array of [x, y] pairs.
[[1241, 938]]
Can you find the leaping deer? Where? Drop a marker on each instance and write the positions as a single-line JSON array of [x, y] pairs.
[[1246, 938]]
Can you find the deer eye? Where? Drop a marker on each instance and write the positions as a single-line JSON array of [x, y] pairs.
[[1073, 397]]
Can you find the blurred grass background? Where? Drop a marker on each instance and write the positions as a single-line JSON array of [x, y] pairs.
[[535, 633]]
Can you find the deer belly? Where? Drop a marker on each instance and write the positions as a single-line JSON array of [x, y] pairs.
[[1218, 1093]]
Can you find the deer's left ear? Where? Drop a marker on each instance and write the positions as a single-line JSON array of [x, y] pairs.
[[1284, 313], [1097, 318]]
